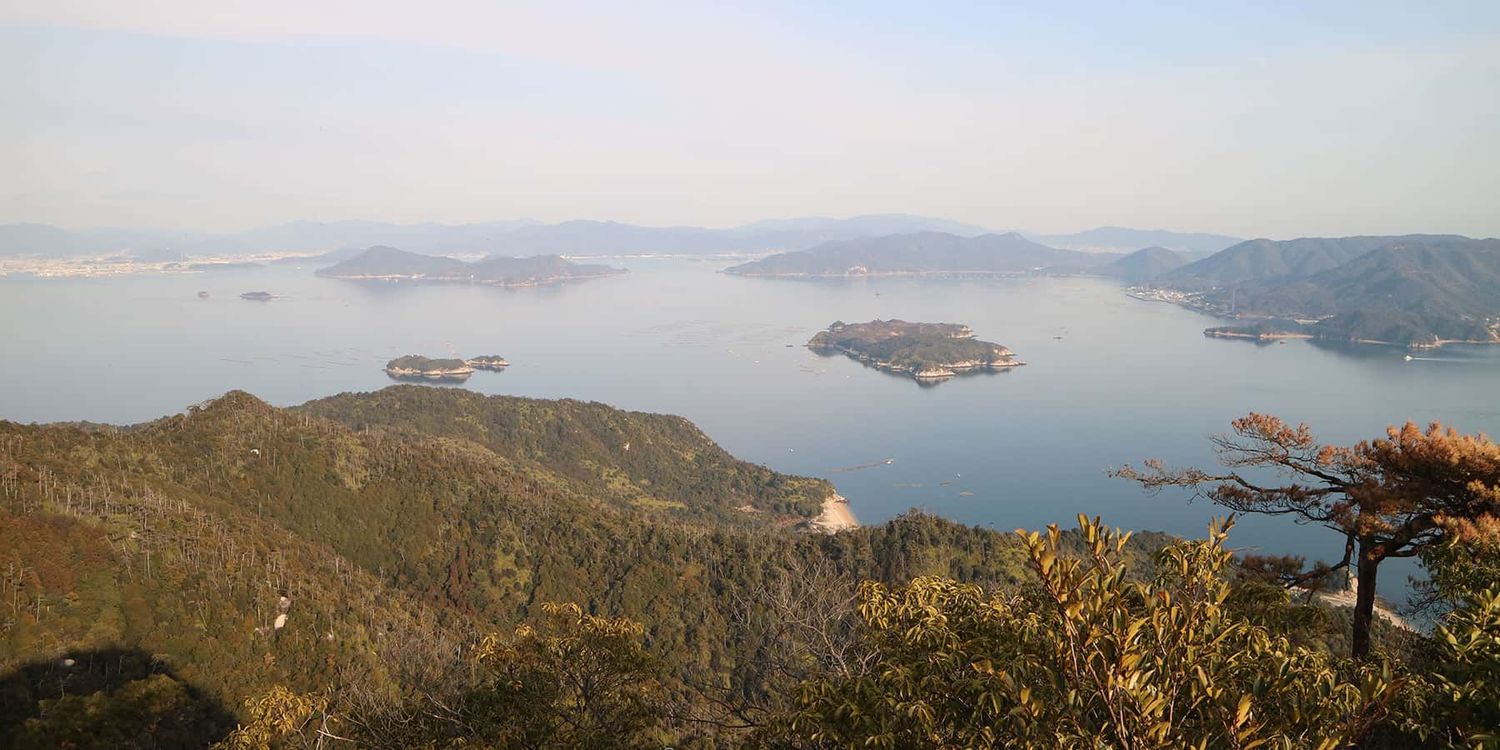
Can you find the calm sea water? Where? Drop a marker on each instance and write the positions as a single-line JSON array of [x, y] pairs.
[[1109, 380]]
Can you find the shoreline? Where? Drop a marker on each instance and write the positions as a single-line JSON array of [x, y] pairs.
[[941, 371], [836, 516]]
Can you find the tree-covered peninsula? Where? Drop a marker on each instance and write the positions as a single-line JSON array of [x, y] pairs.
[[926, 351]]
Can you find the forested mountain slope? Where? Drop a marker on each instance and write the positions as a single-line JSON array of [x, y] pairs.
[[384, 566], [391, 529]]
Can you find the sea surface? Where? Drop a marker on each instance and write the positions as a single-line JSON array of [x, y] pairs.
[[1109, 380]]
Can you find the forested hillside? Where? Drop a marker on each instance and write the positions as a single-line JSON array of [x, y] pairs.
[[416, 567], [398, 526]]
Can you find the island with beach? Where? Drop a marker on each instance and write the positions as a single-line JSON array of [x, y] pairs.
[[926, 351]]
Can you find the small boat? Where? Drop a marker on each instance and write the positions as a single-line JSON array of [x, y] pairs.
[[202, 295], [1409, 358]]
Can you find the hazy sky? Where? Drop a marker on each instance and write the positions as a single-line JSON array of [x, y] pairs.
[[1257, 119]]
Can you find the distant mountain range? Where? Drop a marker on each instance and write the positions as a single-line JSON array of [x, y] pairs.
[[1124, 240], [1144, 264], [526, 237], [516, 238], [921, 253], [389, 264]]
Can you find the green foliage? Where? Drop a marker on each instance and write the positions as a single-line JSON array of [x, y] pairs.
[[426, 364], [630, 456], [105, 698], [1467, 641], [1469, 679], [395, 540], [1088, 658], [390, 529], [572, 681], [281, 718], [157, 711], [909, 347]]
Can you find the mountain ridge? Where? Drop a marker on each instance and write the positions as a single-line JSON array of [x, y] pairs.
[[516, 237], [363, 543], [386, 263], [919, 253]]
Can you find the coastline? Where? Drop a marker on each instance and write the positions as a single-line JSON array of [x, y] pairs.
[[941, 371], [836, 516], [1215, 333]]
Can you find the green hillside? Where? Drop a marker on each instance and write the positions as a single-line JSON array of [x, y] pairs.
[[1285, 260], [399, 525], [1405, 292], [401, 569]]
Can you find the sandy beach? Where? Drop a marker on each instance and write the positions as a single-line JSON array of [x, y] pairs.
[[836, 515]]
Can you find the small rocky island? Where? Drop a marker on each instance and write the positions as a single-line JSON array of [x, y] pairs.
[[926, 351], [415, 367], [487, 362]]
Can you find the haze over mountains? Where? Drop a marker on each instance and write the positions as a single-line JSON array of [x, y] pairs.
[[1399, 296], [1122, 239], [390, 264], [1144, 264], [1261, 259], [526, 237], [1416, 290], [920, 253], [1410, 290]]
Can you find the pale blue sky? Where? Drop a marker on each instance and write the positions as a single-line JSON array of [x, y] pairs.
[[1280, 119]]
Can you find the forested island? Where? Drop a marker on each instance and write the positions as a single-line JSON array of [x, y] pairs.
[[417, 366], [487, 362], [926, 351], [381, 263]]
